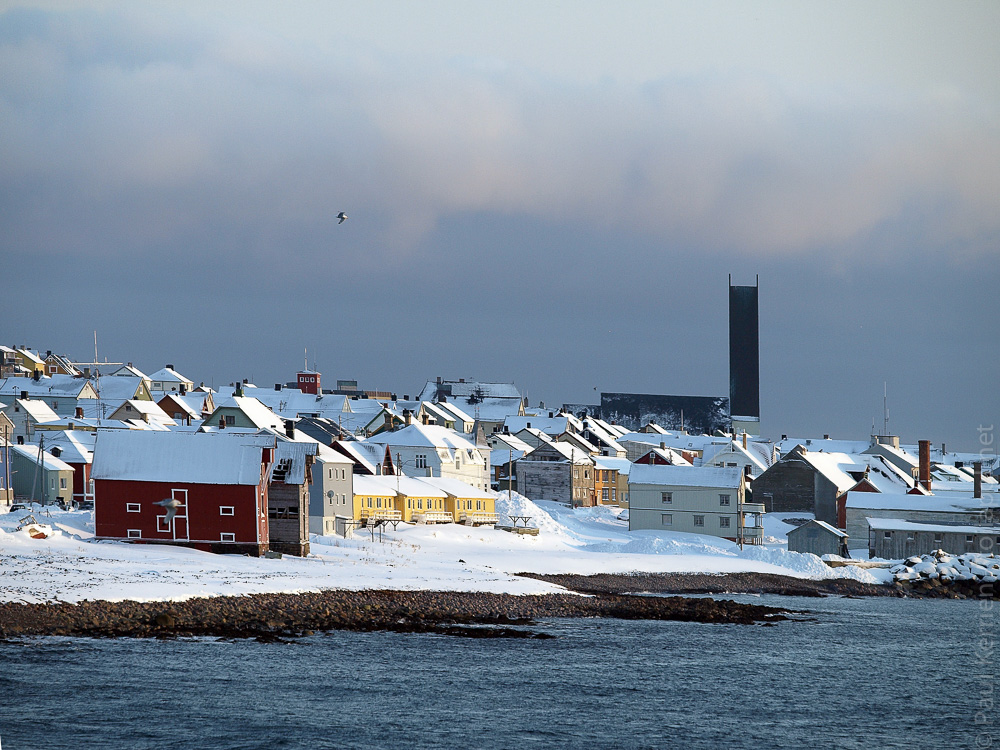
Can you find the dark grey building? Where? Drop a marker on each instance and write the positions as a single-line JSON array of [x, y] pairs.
[[818, 538], [893, 539]]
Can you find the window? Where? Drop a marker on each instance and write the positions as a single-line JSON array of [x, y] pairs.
[[134, 534], [699, 520], [420, 461], [723, 522], [887, 535], [227, 510], [666, 519], [230, 419], [968, 539], [909, 537], [131, 507], [227, 536], [666, 497], [723, 499], [62, 483], [162, 524], [938, 539], [604, 493], [730, 466]]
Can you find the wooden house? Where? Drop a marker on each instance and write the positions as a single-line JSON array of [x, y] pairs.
[[217, 481]]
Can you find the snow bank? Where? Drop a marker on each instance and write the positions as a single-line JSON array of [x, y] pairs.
[[939, 564]]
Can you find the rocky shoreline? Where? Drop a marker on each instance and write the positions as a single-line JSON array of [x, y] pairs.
[[271, 617], [708, 583]]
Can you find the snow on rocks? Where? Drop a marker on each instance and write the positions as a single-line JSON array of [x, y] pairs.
[[946, 574]]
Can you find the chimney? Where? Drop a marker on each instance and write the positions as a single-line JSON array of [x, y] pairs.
[[407, 416], [977, 479], [277, 386], [24, 395], [943, 451], [239, 390], [222, 423], [36, 376], [290, 428], [924, 449], [423, 418], [406, 397], [744, 439], [784, 437], [826, 437], [86, 373], [529, 425], [663, 446], [170, 367], [79, 412], [184, 389]]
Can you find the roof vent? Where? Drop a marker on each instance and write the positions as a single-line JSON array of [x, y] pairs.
[[170, 367]]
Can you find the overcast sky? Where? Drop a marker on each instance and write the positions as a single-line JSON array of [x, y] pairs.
[[549, 193]]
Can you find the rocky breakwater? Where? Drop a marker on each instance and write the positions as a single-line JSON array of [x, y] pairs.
[[282, 616], [942, 575]]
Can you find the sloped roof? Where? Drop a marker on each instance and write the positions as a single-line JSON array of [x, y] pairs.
[[188, 457], [462, 390], [940, 502], [47, 386], [169, 375], [293, 453], [456, 488], [685, 476], [623, 465], [419, 435], [383, 486], [49, 462], [823, 525], [38, 410]]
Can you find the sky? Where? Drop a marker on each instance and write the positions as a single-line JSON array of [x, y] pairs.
[[553, 194]]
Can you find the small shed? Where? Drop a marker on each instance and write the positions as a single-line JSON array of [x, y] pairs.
[[819, 538]]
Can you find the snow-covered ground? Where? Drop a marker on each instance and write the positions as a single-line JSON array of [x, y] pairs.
[[71, 566]]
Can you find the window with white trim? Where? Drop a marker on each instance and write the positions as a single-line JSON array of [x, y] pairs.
[[134, 533], [132, 508], [227, 536], [723, 522], [162, 524], [723, 499], [699, 520], [666, 519], [227, 510], [666, 497]]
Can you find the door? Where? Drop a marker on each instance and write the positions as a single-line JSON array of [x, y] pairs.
[[181, 518]]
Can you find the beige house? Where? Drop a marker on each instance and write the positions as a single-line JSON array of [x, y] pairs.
[[693, 499]]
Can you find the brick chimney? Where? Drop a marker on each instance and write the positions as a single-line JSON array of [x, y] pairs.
[[977, 479], [79, 412], [924, 447]]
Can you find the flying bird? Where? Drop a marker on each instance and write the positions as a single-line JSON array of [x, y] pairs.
[[171, 504], [342, 216]]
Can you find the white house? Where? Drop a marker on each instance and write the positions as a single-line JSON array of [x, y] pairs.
[[437, 451]]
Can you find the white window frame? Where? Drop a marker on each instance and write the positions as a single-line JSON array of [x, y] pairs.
[[666, 498], [666, 519], [699, 521], [227, 510], [161, 522], [724, 522], [134, 533], [725, 499], [133, 508], [227, 536]]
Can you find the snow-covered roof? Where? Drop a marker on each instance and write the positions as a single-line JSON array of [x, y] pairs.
[[292, 454], [292, 402], [623, 465], [566, 450], [254, 410], [128, 371], [189, 405], [508, 441], [685, 476], [551, 426], [823, 525], [150, 409], [895, 524], [54, 386], [119, 389], [368, 455], [417, 487], [944, 502], [37, 410], [834, 466], [75, 446], [169, 375], [457, 488], [382, 486], [501, 456], [188, 457], [419, 435], [49, 462]]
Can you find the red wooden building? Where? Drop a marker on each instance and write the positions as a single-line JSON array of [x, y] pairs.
[[217, 480]]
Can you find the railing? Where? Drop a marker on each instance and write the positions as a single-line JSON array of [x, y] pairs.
[[376, 514], [434, 516], [475, 519]]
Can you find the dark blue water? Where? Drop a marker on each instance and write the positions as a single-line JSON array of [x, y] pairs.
[[872, 673]]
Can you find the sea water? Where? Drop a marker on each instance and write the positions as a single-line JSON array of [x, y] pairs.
[[852, 673]]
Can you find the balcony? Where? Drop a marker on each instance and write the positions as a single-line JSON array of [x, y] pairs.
[[376, 514], [433, 516], [477, 519]]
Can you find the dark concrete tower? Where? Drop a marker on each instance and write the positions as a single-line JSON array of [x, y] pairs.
[[744, 358]]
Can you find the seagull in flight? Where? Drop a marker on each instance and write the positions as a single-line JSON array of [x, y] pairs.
[[342, 216], [171, 504]]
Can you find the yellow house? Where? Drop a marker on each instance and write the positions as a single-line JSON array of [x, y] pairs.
[[422, 502], [465, 503], [375, 499]]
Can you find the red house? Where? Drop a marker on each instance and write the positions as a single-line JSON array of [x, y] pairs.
[[217, 480]]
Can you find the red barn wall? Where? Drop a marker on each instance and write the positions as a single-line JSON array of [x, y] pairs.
[[205, 522]]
